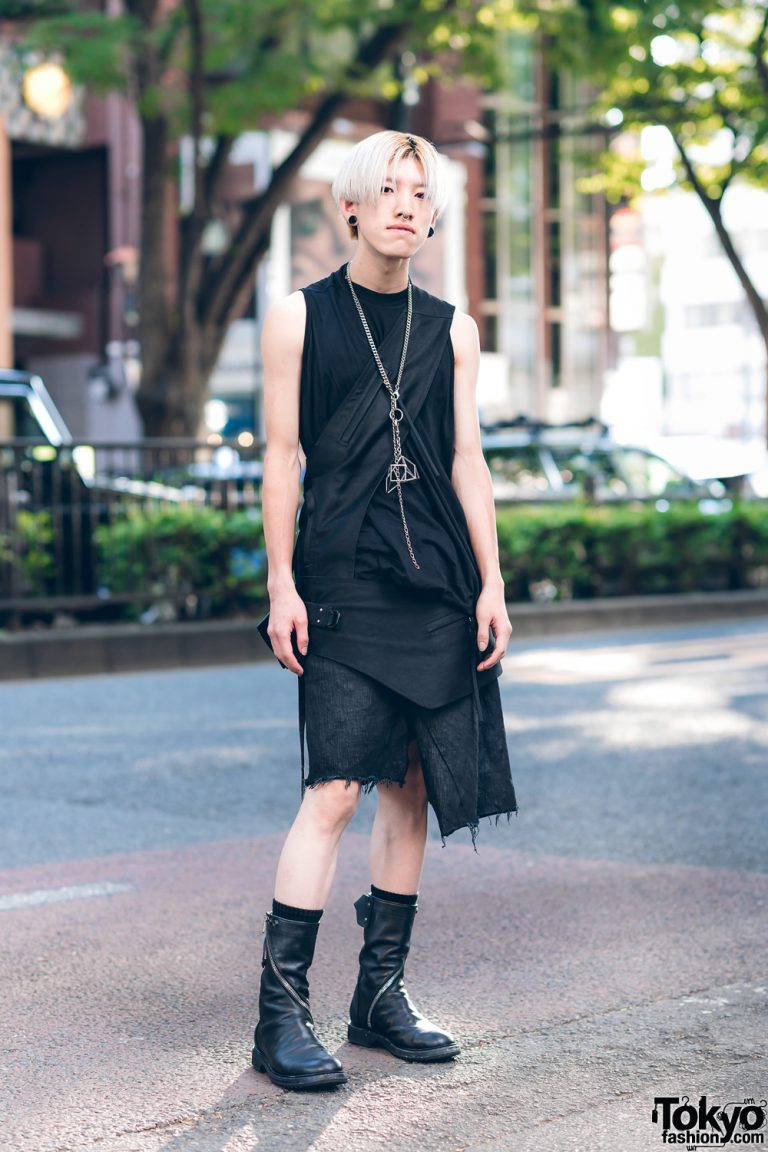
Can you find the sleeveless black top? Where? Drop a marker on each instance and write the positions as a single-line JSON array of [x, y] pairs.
[[336, 350], [368, 605]]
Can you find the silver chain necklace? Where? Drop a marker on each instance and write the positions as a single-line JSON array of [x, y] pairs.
[[401, 469]]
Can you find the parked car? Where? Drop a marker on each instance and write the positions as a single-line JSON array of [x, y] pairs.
[[534, 462], [27, 410], [79, 487]]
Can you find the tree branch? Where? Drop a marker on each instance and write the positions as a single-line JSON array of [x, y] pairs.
[[759, 49], [215, 169], [252, 238], [192, 227], [714, 211], [13, 10], [144, 10]]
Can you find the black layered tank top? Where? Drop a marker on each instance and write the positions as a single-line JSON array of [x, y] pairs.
[[336, 351]]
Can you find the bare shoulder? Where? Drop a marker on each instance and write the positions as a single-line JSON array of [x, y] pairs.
[[464, 336], [285, 321]]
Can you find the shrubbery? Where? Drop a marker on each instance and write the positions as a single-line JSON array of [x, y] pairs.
[[208, 562], [29, 550], [579, 552], [202, 560]]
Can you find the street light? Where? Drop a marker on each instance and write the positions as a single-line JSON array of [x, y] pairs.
[[47, 90]]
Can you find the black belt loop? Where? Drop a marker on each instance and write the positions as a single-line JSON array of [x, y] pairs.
[[473, 658], [323, 615]]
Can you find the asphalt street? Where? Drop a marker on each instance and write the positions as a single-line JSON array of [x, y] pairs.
[[606, 947]]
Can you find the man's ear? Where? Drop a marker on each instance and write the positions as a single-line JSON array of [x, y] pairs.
[[347, 209]]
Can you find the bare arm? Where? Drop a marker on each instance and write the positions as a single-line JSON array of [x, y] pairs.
[[472, 481], [281, 345]]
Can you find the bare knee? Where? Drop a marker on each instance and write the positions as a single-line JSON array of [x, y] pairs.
[[415, 789], [332, 804], [409, 802]]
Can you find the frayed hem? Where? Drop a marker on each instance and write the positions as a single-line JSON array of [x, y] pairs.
[[473, 827], [367, 783]]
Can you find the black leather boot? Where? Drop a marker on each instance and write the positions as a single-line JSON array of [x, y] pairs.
[[285, 1044], [381, 1014]]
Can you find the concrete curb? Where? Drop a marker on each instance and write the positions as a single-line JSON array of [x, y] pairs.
[[96, 649]]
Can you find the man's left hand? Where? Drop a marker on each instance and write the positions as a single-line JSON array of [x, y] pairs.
[[491, 612]]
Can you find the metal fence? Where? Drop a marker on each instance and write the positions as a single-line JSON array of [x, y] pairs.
[[53, 500]]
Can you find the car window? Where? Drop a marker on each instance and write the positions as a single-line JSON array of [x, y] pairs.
[[647, 475], [517, 472], [617, 473], [588, 472]]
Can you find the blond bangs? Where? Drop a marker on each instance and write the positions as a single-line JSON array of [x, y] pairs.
[[364, 172]]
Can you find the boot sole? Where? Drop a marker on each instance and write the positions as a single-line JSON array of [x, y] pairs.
[[366, 1039], [316, 1080]]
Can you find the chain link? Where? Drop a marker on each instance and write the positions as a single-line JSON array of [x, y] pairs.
[[401, 469]]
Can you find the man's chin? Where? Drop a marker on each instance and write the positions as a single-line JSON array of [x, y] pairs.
[[401, 244]]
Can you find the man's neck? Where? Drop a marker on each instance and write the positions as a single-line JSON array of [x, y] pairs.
[[378, 273]]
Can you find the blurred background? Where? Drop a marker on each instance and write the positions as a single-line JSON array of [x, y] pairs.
[[165, 173]]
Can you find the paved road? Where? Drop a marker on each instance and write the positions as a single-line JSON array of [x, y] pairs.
[[606, 947]]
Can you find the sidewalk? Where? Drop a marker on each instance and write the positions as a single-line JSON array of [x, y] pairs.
[[571, 1019], [94, 649]]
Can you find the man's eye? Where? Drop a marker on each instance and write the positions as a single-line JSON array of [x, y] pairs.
[[386, 188]]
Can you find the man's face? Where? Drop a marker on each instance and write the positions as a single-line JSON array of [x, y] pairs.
[[397, 225]]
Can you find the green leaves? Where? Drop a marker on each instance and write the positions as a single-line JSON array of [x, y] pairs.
[[201, 560], [30, 549], [259, 58], [204, 556], [573, 552], [96, 48], [699, 70]]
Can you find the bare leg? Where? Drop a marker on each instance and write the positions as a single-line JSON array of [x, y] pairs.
[[399, 834], [382, 1014], [308, 860]]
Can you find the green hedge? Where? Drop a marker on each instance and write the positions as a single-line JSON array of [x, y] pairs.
[[568, 552], [205, 561], [208, 562], [30, 550]]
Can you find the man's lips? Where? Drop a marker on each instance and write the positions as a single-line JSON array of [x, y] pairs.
[[401, 228]]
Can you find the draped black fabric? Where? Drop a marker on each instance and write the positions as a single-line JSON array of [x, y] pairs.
[[348, 445], [336, 352], [369, 608]]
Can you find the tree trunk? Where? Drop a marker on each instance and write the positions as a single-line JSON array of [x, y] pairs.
[[175, 409]]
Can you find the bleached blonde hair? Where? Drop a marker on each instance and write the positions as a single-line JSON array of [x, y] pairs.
[[364, 172]]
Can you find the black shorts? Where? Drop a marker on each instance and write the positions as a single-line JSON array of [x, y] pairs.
[[358, 729]]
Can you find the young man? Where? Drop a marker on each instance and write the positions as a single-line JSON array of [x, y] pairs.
[[390, 608]]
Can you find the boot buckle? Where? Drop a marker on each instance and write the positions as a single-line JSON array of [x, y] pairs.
[[363, 909]]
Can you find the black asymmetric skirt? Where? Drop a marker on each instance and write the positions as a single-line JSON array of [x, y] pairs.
[[359, 730], [382, 671]]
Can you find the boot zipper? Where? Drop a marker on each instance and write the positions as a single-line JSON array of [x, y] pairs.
[[387, 984], [291, 991]]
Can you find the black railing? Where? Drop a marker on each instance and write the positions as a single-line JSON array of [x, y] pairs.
[[53, 500]]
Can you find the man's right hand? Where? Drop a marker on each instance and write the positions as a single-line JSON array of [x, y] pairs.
[[288, 614]]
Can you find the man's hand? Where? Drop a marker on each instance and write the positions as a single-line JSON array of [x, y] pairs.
[[491, 611], [288, 614]]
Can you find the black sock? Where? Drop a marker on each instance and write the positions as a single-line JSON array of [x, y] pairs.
[[394, 897], [304, 915]]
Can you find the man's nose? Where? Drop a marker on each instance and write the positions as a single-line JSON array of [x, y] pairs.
[[404, 206]]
